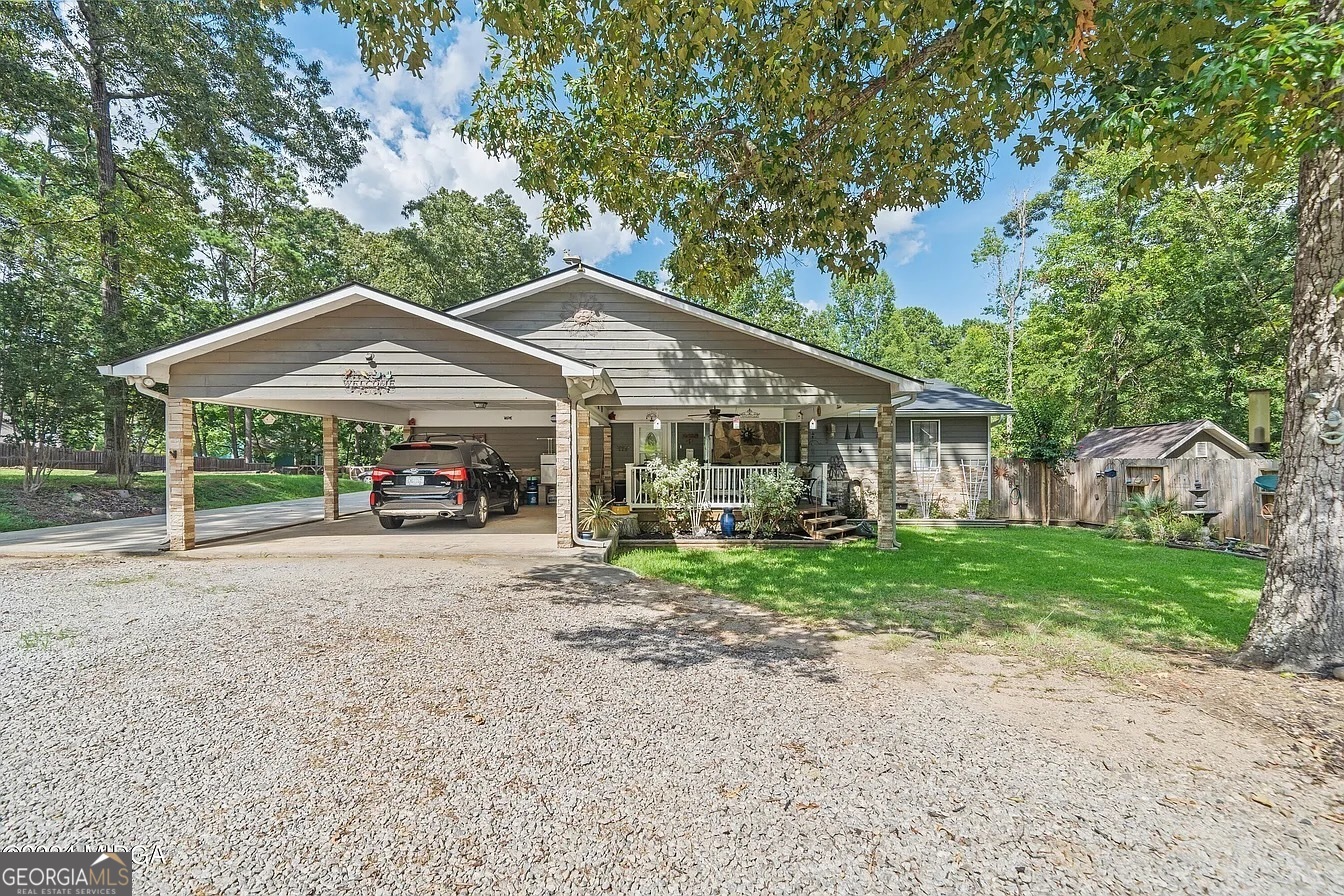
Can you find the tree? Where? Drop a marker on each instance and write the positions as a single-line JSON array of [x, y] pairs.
[[1166, 306], [862, 316], [1042, 437], [751, 130], [978, 360], [456, 248], [1006, 255], [150, 102]]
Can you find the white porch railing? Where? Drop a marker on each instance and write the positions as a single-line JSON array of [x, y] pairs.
[[720, 485]]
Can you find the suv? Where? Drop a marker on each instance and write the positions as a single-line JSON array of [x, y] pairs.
[[446, 477]]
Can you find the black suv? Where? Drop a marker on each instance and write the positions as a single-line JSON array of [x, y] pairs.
[[445, 476]]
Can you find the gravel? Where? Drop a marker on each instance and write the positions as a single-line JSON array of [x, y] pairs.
[[408, 726]]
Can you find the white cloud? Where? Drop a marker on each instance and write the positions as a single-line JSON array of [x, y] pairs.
[[898, 229], [412, 150]]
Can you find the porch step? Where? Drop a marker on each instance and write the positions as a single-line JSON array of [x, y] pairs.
[[808, 510], [812, 522], [835, 531]]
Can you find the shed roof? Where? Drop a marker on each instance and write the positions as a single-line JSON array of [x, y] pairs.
[[941, 397], [1155, 440]]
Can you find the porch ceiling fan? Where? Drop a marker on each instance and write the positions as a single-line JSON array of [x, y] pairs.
[[716, 413]]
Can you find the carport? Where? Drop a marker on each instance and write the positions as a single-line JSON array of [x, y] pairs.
[[358, 354]]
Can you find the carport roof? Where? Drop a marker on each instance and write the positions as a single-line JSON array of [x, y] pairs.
[[154, 363]]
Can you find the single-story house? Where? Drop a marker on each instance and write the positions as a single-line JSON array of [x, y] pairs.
[[589, 368], [1165, 441]]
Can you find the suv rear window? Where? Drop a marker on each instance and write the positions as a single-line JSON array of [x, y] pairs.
[[422, 455]]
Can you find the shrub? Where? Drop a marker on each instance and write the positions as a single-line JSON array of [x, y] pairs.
[[772, 500], [675, 488], [1153, 518]]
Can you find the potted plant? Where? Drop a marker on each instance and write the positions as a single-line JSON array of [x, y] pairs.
[[596, 518]]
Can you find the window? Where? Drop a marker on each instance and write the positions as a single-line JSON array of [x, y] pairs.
[[925, 438], [1201, 449]]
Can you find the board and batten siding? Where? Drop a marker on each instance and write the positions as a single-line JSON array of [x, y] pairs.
[[308, 360], [659, 356]]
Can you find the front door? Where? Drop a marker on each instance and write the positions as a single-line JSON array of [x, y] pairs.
[[650, 442]]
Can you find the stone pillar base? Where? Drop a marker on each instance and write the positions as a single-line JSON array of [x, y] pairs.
[[331, 472], [180, 471], [564, 476]]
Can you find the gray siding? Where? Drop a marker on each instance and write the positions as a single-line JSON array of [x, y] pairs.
[[308, 360], [521, 446], [661, 356], [963, 438]]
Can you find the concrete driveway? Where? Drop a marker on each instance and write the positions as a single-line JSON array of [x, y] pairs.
[[530, 533]]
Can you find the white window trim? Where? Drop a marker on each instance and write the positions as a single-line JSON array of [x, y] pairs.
[[937, 445], [1202, 448]]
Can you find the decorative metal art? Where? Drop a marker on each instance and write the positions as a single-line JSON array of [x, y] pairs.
[[366, 382], [1332, 433], [583, 317]]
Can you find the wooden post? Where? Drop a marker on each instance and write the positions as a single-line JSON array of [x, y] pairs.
[[180, 471], [331, 473], [564, 475], [886, 468]]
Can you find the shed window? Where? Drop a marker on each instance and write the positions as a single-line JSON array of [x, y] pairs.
[[925, 440]]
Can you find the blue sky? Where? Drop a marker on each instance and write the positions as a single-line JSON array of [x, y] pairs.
[[413, 151]]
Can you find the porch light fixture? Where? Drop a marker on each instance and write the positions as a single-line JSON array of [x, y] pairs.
[[480, 405]]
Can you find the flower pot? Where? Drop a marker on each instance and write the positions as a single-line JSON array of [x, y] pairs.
[[727, 523]]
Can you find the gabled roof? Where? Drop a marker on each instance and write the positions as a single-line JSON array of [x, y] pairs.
[[156, 361], [586, 272], [1155, 440], [943, 399]]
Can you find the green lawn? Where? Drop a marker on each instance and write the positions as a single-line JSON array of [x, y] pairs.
[[1007, 584], [72, 496]]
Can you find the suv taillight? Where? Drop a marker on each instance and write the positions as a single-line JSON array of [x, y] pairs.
[[381, 473], [453, 474]]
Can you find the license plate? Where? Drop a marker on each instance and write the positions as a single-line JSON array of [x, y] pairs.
[[415, 480]]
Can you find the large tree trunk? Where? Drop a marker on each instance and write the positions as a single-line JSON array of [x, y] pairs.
[[116, 425], [1300, 622]]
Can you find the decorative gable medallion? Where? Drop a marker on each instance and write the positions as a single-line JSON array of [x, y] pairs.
[[583, 317]]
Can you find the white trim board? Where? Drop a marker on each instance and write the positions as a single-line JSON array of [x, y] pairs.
[[579, 272], [155, 363]]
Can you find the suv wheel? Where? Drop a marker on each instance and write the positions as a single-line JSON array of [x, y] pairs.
[[390, 522], [515, 501], [481, 514]]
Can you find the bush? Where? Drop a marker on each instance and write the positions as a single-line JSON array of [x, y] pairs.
[[675, 488], [1152, 518], [772, 500]]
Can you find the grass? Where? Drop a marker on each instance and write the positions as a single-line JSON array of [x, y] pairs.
[[44, 638], [55, 504], [1067, 595]]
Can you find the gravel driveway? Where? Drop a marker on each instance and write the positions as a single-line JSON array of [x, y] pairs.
[[410, 726]]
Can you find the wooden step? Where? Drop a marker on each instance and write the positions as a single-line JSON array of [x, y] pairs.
[[835, 530], [812, 522], [808, 510]]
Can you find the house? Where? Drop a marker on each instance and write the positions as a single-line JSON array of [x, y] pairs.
[[582, 366], [941, 451], [1164, 441]]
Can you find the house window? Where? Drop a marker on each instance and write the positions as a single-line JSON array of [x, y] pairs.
[[925, 440], [1201, 449]]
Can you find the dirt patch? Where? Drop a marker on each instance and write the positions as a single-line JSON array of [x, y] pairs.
[[1185, 712], [55, 506]]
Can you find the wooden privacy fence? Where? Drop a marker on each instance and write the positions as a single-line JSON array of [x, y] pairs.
[[67, 459], [1082, 491]]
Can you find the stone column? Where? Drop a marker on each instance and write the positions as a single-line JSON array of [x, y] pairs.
[[886, 493], [564, 476], [583, 455], [180, 471], [608, 483], [331, 473]]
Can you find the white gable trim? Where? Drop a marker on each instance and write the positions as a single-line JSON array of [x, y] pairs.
[[156, 363], [578, 272], [1208, 426]]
